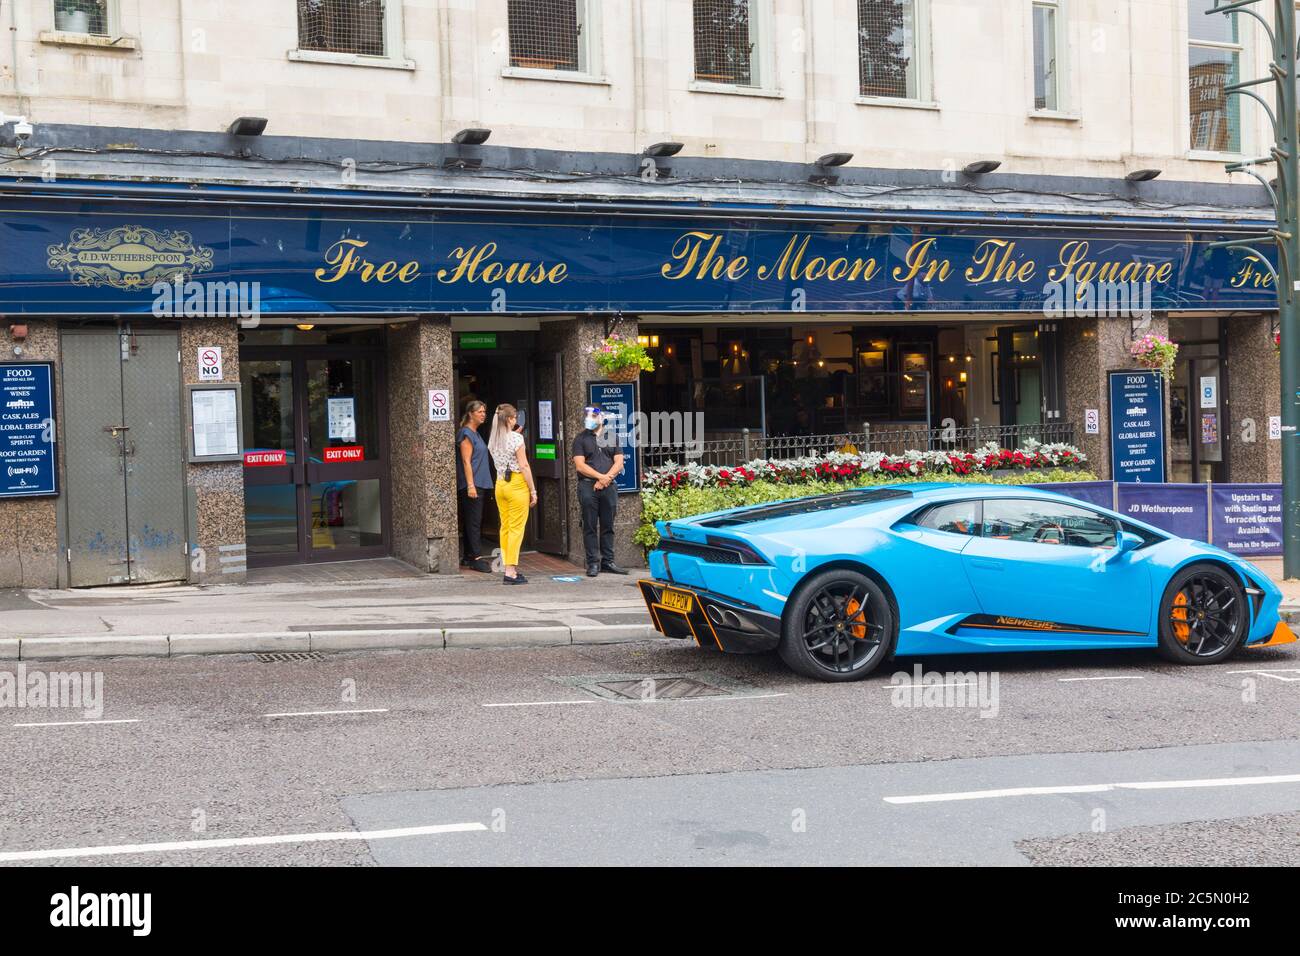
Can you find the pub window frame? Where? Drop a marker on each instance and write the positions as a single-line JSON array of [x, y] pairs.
[[1244, 66], [762, 60], [922, 63], [394, 57], [591, 64], [112, 21], [1060, 60]]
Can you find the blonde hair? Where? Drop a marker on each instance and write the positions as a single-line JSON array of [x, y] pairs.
[[470, 409], [501, 428]]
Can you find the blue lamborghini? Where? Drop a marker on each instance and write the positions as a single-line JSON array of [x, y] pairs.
[[838, 583]]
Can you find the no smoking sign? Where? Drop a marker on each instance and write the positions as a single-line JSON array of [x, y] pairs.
[[210, 363], [439, 405]]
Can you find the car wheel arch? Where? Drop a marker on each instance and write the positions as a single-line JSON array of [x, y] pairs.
[[845, 564]]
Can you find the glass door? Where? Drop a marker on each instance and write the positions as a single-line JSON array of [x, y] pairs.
[[315, 456]]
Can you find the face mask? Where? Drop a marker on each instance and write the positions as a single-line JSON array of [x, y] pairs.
[[591, 424]]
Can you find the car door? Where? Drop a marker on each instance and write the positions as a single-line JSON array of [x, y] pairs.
[[1054, 570]]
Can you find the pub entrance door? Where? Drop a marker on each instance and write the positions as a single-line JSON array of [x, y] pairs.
[[316, 484]]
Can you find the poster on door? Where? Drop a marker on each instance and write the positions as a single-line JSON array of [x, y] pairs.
[[342, 415], [28, 463]]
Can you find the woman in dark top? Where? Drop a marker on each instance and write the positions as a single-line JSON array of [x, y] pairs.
[[473, 482]]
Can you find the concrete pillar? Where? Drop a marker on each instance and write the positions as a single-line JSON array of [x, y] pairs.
[[1091, 348], [29, 536], [575, 339], [422, 470], [1254, 394], [214, 490]]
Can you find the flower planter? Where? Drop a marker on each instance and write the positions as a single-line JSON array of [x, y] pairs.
[[628, 373]]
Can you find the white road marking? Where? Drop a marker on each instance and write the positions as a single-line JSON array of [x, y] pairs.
[[966, 683], [1276, 674], [327, 713], [128, 848], [1095, 788], [647, 700], [541, 703], [79, 723], [1066, 680]]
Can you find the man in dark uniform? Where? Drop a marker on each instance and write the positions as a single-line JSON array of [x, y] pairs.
[[597, 466]]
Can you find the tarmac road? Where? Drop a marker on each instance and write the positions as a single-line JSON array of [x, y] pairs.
[[533, 756]]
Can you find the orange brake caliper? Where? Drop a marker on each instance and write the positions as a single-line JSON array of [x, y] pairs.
[[1180, 619], [852, 610]]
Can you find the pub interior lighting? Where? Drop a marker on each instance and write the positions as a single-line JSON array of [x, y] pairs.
[[304, 326], [1143, 175], [248, 126], [980, 167]]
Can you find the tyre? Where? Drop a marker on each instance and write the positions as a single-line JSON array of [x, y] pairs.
[[838, 626], [1203, 616]]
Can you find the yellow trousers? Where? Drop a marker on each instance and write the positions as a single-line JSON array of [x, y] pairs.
[[512, 503]]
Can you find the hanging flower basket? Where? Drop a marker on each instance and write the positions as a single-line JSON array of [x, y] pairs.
[[628, 373], [622, 359], [1156, 353]]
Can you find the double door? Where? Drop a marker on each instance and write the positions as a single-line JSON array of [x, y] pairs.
[[316, 454], [125, 456]]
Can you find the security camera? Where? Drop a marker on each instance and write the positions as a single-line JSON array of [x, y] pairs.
[[22, 128]]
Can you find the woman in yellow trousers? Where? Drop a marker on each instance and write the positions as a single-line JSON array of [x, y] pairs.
[[515, 491]]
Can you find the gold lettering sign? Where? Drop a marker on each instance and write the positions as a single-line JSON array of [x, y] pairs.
[[128, 257]]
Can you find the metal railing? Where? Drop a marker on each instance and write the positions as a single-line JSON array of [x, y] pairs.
[[745, 445]]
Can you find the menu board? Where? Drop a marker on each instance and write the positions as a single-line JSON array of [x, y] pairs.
[[214, 424], [28, 463], [1137, 422]]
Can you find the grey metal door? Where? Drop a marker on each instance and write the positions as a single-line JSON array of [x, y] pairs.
[[125, 460]]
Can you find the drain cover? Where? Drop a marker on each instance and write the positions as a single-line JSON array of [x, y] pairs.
[[280, 657], [661, 688]]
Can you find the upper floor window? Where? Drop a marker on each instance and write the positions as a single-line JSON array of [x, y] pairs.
[[726, 42], [550, 35], [357, 27], [1213, 63], [81, 16], [1047, 75], [890, 42]]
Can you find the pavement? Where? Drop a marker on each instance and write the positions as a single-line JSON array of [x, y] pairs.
[[335, 607], [346, 606]]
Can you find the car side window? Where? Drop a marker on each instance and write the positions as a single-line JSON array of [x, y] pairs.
[[958, 517], [1047, 522]]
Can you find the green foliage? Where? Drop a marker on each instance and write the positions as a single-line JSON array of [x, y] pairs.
[[665, 505]]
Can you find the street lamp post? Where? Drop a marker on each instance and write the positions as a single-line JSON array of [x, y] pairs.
[[1285, 155]]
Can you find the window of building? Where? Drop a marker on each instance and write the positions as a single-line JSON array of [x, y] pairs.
[[1213, 63], [82, 16], [343, 26], [359, 32], [727, 42], [890, 45], [551, 35], [1047, 49]]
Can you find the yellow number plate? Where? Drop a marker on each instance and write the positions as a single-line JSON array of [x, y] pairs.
[[678, 601]]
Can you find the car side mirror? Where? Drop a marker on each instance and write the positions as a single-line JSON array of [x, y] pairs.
[[1128, 543]]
